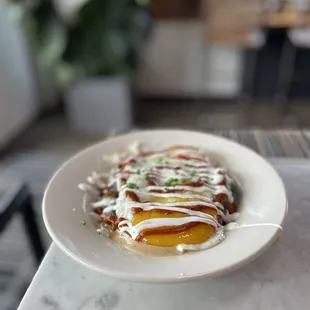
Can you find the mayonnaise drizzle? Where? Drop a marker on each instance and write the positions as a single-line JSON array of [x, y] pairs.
[[161, 167], [181, 165], [175, 206]]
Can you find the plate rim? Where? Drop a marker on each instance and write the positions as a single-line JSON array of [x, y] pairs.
[[140, 277]]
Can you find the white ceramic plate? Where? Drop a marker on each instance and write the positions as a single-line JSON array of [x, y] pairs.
[[263, 201]]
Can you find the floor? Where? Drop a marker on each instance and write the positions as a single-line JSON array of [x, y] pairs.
[[46, 145]]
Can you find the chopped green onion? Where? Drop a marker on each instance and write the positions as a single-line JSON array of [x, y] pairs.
[[185, 180], [159, 160], [83, 222], [147, 178], [193, 174], [171, 182], [132, 185]]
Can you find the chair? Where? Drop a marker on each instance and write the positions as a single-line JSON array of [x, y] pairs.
[[297, 37]]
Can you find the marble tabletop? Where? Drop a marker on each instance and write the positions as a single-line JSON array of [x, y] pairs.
[[279, 279]]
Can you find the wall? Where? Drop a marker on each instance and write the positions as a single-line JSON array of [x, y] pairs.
[[176, 61], [18, 94]]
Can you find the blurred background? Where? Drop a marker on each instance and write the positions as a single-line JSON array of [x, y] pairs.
[[73, 72]]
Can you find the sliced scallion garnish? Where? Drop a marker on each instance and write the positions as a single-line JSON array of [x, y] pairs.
[[132, 185], [159, 160], [171, 182]]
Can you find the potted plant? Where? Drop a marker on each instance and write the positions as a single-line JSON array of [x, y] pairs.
[[91, 55]]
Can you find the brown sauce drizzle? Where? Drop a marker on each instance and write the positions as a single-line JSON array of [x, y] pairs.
[[193, 184], [221, 198], [232, 208], [132, 196], [122, 180], [165, 229], [110, 191], [114, 222], [129, 162], [196, 167], [146, 154], [98, 210], [190, 158], [168, 167]]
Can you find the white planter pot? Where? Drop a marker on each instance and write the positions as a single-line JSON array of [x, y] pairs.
[[99, 105]]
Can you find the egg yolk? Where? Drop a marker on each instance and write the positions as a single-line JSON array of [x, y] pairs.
[[198, 233]]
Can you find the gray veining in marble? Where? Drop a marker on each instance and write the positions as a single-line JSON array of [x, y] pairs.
[[278, 280]]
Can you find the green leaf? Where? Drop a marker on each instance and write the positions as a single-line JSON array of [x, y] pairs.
[[104, 38]]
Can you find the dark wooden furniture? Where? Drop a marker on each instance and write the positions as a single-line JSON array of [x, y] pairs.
[[15, 198]]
